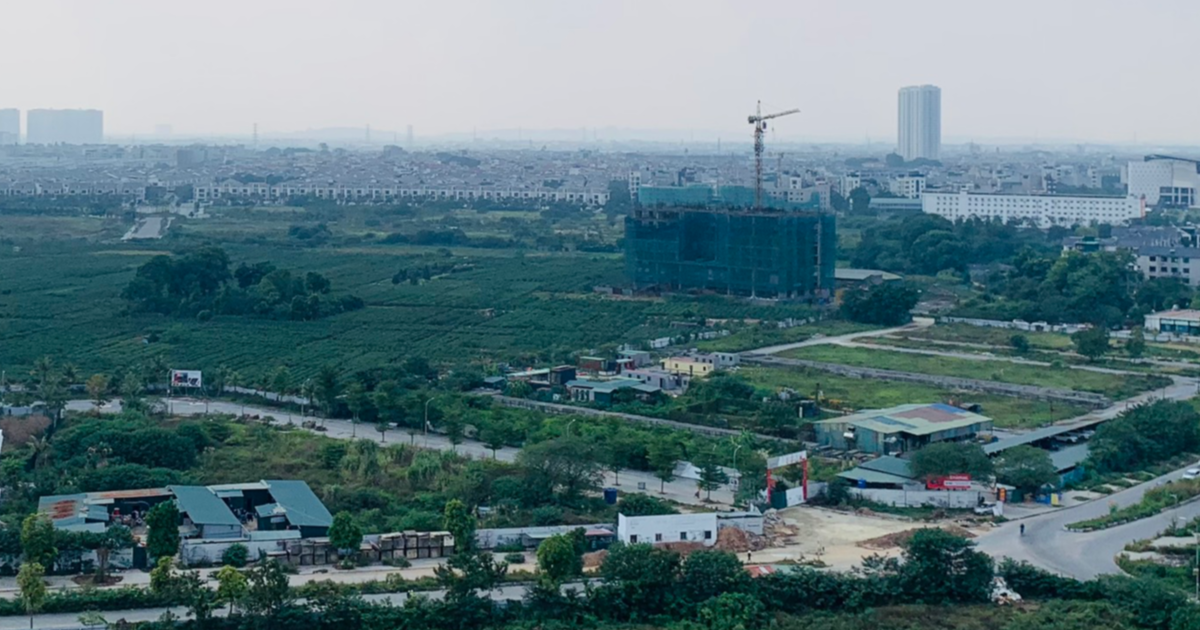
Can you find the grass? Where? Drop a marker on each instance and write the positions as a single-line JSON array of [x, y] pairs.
[[1116, 386], [853, 394], [966, 333], [753, 337]]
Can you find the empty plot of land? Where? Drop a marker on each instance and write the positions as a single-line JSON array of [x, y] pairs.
[[1116, 386], [855, 393]]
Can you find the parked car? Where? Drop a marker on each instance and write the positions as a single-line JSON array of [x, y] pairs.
[[1191, 473]]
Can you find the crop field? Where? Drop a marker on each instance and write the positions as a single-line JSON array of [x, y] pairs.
[[1116, 386], [62, 298], [856, 394]]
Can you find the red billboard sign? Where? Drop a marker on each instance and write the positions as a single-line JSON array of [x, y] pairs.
[[949, 482]]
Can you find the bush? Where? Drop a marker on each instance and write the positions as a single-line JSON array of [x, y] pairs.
[[515, 558], [1154, 501], [400, 562], [236, 555], [510, 547]]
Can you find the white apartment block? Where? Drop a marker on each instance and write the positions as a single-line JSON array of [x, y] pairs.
[[920, 122], [1164, 180], [1038, 210], [909, 186], [259, 190]]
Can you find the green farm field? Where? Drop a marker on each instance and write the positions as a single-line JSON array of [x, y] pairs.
[[1116, 386], [62, 298]]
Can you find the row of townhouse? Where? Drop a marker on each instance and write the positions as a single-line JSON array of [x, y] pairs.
[[129, 190], [231, 189]]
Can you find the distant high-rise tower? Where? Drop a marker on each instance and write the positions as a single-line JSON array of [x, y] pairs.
[[409, 140], [10, 126], [920, 131], [64, 126]]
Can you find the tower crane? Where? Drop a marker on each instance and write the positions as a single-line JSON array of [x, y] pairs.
[[760, 125]]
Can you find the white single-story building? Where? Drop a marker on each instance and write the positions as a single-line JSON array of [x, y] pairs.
[[669, 528], [1176, 322]]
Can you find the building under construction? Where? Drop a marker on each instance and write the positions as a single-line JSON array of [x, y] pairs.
[[697, 238]]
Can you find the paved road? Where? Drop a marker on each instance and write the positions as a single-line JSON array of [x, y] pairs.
[[148, 228], [1082, 555], [680, 490], [70, 621]]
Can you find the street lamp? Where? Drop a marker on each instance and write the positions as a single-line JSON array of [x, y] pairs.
[[431, 399]]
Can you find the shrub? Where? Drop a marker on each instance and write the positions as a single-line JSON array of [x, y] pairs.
[[515, 558], [236, 555]]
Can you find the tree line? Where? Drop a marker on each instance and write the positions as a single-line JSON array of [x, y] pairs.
[[200, 284]]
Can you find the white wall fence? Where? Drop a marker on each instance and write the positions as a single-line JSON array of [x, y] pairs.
[[919, 497], [1016, 324]]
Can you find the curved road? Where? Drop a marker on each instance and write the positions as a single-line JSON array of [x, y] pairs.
[[1049, 545]]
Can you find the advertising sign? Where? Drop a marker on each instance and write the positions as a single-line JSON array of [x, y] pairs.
[[186, 378]]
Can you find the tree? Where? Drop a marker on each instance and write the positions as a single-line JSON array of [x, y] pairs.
[[940, 568], [638, 504], [33, 588], [618, 453], [565, 465], [97, 389], [1019, 343], [1136, 346], [950, 458], [382, 427], [1144, 435], [358, 400], [886, 304], [38, 540], [559, 559], [454, 429], [663, 455], [494, 435], [1091, 342], [162, 520], [734, 611], [345, 535], [267, 591], [1026, 468], [460, 522], [708, 573], [712, 477], [281, 381], [327, 387], [192, 590], [232, 586], [860, 201], [104, 543], [162, 576]]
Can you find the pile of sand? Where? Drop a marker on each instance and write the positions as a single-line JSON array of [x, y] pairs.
[[900, 539]]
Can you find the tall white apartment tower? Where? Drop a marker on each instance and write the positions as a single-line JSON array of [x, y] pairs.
[[10, 126], [920, 130]]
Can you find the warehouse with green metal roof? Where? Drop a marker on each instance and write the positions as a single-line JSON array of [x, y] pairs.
[[901, 429]]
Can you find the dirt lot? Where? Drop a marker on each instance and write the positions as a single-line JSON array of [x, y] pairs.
[[832, 536]]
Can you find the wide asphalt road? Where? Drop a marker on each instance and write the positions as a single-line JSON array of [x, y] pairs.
[[1049, 545]]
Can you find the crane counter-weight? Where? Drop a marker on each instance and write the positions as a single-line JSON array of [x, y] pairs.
[[760, 124]]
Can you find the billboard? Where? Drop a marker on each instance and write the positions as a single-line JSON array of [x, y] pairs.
[[186, 378], [949, 482], [786, 460]]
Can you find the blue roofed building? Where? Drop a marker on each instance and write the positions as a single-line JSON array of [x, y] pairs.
[[295, 506], [204, 514], [901, 429]]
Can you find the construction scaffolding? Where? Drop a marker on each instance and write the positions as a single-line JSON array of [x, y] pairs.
[[724, 248]]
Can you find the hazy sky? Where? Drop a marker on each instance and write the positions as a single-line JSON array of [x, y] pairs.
[[1056, 69]]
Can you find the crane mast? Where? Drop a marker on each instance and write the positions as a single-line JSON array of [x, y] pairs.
[[760, 125]]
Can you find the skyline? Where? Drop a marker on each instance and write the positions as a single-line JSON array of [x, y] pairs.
[[695, 69]]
